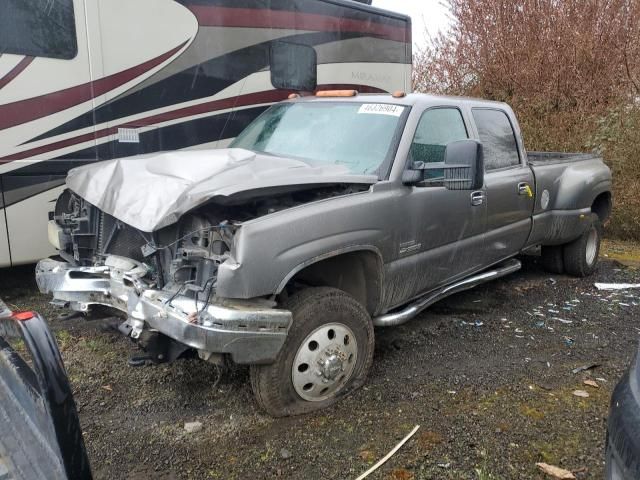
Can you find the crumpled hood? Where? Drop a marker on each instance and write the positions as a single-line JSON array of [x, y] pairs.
[[150, 192]]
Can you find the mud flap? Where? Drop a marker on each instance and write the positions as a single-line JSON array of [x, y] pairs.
[[41, 434]]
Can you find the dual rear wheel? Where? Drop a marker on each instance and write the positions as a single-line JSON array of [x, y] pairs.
[[578, 258]]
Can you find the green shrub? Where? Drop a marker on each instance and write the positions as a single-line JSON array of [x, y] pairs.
[[617, 138]]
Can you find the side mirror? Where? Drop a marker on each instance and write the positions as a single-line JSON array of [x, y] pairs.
[[462, 168], [464, 165], [412, 176]]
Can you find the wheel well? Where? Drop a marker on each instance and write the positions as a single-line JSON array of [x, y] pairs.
[[602, 206], [357, 273]]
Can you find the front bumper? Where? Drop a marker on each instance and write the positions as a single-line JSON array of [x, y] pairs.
[[623, 435], [250, 331]]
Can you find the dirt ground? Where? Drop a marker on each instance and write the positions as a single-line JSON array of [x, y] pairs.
[[487, 375]]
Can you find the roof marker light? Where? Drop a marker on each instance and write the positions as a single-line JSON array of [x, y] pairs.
[[337, 93]]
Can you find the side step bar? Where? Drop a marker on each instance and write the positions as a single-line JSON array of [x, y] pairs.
[[413, 309]]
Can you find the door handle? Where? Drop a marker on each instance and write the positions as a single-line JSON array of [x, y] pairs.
[[524, 189], [477, 198]]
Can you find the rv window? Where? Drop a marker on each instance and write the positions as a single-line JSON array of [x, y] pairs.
[[294, 67], [38, 28]]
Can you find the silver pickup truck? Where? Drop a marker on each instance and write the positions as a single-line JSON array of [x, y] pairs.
[[328, 216]]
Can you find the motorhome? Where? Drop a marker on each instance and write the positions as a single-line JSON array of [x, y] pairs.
[[89, 80]]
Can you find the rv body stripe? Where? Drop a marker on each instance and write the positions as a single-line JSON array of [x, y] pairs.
[[23, 111], [269, 96], [214, 16], [19, 185], [15, 71], [339, 8], [191, 84]]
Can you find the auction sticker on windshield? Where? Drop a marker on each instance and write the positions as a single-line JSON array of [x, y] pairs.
[[381, 109]]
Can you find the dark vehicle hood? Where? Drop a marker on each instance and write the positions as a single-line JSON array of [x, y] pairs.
[[150, 192]]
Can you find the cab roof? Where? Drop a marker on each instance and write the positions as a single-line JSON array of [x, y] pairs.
[[410, 100]]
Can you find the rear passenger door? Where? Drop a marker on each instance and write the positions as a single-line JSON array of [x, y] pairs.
[[509, 183]]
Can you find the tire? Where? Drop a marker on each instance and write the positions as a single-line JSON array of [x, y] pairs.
[[608, 463], [553, 259], [337, 365], [581, 255], [614, 468]]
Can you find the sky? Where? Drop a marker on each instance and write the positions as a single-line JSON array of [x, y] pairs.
[[429, 14]]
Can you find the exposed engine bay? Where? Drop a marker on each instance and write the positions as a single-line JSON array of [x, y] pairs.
[[182, 258]]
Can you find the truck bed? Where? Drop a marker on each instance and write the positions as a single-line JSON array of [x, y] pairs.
[[567, 185], [552, 158]]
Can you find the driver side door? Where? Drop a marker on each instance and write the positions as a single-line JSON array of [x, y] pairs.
[[444, 234]]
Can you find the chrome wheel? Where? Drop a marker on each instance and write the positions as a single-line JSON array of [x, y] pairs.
[[324, 362], [592, 246]]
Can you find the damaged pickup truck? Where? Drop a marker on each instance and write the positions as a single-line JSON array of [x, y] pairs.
[[327, 217]]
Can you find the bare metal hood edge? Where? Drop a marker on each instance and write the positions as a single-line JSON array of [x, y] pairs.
[[150, 192]]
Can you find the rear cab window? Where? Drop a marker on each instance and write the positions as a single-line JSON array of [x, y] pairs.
[[498, 139], [38, 28]]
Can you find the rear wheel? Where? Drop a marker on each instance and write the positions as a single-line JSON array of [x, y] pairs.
[[581, 255], [553, 259], [327, 354]]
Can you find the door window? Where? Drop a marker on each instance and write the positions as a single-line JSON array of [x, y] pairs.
[[498, 139], [437, 128], [38, 28]]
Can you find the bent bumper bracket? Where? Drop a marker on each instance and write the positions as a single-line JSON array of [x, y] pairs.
[[250, 331]]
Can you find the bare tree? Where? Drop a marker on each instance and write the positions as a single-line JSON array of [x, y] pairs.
[[570, 69], [565, 53]]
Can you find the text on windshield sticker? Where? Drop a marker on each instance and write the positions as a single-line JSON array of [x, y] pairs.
[[381, 109]]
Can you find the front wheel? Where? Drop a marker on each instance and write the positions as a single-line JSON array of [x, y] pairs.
[[581, 255], [327, 354]]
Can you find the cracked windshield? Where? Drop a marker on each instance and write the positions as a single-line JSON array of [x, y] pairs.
[[358, 136]]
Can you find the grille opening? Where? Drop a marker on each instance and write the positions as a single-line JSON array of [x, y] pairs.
[[84, 275]]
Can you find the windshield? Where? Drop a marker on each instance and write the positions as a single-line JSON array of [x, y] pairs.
[[357, 135]]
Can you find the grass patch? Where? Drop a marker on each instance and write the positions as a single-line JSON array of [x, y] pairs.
[[483, 474], [625, 252], [65, 339], [532, 413]]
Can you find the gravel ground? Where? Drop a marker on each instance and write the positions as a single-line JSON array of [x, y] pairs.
[[489, 381]]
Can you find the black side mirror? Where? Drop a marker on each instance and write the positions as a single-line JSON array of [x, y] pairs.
[[293, 66], [462, 168], [412, 176], [464, 165]]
